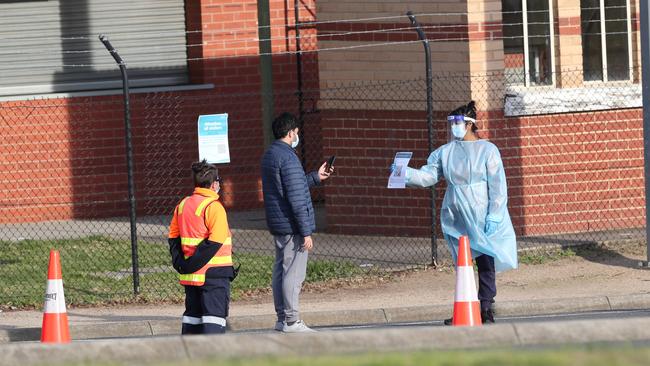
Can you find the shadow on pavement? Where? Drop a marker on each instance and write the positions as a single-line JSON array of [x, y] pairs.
[[605, 247]]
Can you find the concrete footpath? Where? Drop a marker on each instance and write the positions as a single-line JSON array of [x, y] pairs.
[[168, 346]]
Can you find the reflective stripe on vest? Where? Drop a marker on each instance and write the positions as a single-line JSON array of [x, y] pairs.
[[181, 205], [191, 224]]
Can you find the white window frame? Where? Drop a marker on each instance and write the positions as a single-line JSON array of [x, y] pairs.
[[603, 39], [524, 19], [551, 17]]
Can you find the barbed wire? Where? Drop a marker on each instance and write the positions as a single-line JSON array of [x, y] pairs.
[[89, 36], [179, 61], [286, 52], [308, 37], [182, 60]]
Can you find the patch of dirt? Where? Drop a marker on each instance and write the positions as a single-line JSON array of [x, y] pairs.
[[593, 271]]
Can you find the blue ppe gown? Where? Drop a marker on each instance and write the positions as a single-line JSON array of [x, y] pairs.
[[476, 192]]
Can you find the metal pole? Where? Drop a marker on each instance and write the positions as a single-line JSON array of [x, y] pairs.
[[427, 60], [645, 72], [266, 68], [129, 161], [299, 94]]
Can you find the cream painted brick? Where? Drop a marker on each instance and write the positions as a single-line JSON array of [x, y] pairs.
[[485, 46], [568, 4], [494, 46], [569, 44], [376, 8], [489, 66], [403, 62], [388, 74], [396, 66], [478, 57], [448, 46], [567, 8], [496, 55], [494, 65], [476, 48], [353, 75], [447, 56], [482, 10]]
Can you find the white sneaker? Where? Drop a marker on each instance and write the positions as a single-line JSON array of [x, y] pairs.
[[279, 326], [297, 327]]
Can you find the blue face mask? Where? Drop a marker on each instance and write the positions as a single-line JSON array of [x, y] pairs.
[[458, 131], [294, 143]]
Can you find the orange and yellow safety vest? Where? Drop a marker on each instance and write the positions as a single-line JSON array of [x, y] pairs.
[[196, 218]]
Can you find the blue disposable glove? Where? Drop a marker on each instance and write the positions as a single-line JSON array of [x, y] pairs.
[[490, 227]]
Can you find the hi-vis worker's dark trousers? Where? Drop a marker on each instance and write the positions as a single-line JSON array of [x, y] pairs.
[[206, 307]]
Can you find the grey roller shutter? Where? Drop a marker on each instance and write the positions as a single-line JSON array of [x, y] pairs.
[[52, 46]]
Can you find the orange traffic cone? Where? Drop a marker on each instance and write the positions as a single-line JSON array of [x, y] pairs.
[[55, 318], [467, 309]]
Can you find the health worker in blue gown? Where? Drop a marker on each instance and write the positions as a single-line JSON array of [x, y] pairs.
[[475, 202]]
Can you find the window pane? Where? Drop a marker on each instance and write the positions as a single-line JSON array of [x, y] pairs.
[[539, 42], [616, 42], [513, 41], [592, 56]]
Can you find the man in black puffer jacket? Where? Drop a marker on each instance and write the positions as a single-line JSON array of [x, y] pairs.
[[290, 219]]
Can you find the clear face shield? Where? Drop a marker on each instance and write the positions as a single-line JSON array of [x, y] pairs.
[[457, 126]]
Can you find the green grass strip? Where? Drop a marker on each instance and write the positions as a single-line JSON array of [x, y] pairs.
[[579, 355], [97, 269]]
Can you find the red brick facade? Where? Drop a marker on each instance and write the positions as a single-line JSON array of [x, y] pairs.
[[68, 155], [566, 173]]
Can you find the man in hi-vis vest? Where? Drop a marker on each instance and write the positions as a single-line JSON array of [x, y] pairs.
[[201, 247]]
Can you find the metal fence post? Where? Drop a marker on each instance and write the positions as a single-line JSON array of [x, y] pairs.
[[129, 161], [427, 61], [645, 72], [299, 92], [266, 68]]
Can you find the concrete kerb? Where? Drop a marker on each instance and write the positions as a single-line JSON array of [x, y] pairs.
[[144, 328], [243, 345]]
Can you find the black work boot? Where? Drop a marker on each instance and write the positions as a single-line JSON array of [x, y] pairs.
[[487, 316]]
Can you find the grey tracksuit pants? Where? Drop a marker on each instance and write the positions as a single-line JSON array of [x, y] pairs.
[[289, 272]]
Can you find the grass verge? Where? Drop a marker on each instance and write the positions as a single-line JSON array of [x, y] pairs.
[[579, 356], [541, 257], [97, 270], [590, 355]]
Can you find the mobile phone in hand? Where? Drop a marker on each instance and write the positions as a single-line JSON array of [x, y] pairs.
[[330, 163]]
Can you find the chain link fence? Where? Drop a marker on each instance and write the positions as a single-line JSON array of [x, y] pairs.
[[573, 157]]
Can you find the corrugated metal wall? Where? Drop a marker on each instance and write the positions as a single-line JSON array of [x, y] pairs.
[[53, 46]]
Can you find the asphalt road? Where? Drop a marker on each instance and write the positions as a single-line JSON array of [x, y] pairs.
[[592, 315]]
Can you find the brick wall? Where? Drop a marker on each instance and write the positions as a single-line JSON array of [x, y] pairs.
[[486, 53], [389, 57], [68, 159], [573, 172], [568, 44], [566, 173], [365, 143]]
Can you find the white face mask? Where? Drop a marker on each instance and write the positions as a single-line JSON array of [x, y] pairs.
[[459, 131], [295, 142], [217, 187]]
